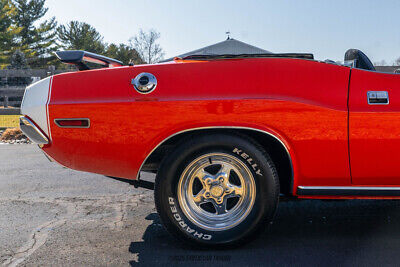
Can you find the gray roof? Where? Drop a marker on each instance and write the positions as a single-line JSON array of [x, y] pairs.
[[228, 47]]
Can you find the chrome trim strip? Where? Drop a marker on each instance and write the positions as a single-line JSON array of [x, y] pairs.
[[349, 187], [32, 131], [220, 127], [347, 191], [72, 119]]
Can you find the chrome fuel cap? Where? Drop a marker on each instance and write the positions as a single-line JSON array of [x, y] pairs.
[[144, 83]]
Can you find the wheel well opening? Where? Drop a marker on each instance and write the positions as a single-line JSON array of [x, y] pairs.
[[275, 149]]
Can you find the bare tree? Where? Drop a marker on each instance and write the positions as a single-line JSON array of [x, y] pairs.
[[146, 45], [397, 62], [380, 63]]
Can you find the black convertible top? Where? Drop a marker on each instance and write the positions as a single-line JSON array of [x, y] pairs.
[[269, 55]]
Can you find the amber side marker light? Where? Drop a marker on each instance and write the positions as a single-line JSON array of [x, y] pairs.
[[73, 123]]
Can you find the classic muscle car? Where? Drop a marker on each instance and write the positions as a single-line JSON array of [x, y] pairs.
[[226, 135]]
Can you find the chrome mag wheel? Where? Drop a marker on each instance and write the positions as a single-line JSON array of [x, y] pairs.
[[216, 191]]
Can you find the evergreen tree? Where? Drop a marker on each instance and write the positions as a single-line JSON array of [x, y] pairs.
[[39, 36], [18, 62], [8, 31], [124, 53], [81, 36]]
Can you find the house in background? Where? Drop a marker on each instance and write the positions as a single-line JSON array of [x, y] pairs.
[[235, 47], [228, 47]]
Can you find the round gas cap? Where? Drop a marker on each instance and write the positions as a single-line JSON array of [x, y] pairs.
[[144, 83], [144, 80]]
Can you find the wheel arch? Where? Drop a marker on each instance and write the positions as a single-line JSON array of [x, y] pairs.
[[276, 146]]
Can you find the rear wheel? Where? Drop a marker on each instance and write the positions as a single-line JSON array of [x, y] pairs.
[[216, 190]]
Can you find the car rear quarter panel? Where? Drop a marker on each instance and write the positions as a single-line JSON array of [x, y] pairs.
[[302, 102]]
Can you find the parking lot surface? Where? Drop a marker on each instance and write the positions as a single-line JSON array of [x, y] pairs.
[[55, 216]]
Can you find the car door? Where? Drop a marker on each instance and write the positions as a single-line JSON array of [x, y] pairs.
[[374, 128]]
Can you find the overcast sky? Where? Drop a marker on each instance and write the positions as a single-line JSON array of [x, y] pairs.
[[325, 28]]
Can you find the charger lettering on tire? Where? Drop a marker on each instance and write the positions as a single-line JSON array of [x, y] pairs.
[[180, 221]]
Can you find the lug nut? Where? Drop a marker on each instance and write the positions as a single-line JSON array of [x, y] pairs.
[[207, 194], [221, 179], [208, 181]]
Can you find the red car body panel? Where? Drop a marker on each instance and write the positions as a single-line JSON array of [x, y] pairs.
[[303, 103], [374, 129]]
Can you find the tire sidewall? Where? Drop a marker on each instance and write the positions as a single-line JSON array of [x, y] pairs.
[[170, 172]]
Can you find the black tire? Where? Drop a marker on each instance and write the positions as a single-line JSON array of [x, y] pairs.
[[266, 188]]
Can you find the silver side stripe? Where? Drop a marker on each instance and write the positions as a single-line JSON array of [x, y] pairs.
[[347, 191]]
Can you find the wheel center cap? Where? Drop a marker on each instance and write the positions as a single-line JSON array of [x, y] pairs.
[[216, 191]]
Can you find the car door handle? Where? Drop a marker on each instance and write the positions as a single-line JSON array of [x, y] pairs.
[[378, 97]]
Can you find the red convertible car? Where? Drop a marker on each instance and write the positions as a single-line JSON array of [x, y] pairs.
[[226, 135]]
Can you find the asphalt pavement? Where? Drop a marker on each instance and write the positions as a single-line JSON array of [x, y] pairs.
[[52, 216]]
